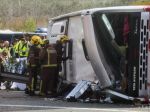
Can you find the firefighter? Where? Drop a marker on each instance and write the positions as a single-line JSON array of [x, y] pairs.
[[60, 51], [49, 72], [33, 64], [63, 47]]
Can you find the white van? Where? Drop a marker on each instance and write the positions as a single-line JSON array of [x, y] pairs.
[[109, 44]]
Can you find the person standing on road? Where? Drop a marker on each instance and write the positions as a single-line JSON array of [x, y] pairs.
[[24, 48], [6, 50], [63, 47], [49, 72], [33, 63], [60, 51]]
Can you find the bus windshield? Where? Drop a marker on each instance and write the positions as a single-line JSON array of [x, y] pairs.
[[113, 30]]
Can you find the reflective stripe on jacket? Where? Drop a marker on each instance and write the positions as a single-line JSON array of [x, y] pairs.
[[33, 57], [24, 51], [48, 57]]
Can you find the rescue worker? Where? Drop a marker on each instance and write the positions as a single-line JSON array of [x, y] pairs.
[[27, 38], [1, 50], [13, 50], [1, 55], [49, 72], [21, 47], [17, 47], [33, 63], [60, 51], [6, 55], [63, 47], [1, 46], [6, 49], [24, 48]]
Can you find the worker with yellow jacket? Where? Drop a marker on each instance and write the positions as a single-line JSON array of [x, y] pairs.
[[33, 63], [23, 48], [49, 72]]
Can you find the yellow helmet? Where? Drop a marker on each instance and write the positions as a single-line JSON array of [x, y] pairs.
[[40, 41], [64, 38], [35, 40], [46, 41]]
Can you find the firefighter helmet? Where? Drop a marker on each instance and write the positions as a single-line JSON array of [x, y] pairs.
[[46, 41], [35, 40], [64, 38]]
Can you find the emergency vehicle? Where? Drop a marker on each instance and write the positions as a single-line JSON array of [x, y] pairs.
[[109, 44]]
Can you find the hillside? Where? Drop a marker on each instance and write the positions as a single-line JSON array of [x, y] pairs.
[[26, 15]]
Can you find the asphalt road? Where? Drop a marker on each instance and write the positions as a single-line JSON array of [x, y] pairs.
[[17, 101]]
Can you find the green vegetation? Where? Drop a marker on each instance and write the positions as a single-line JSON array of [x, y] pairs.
[[28, 14], [29, 24]]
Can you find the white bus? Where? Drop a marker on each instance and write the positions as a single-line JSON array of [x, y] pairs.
[[110, 44]]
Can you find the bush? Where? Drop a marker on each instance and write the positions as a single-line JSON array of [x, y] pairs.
[[25, 15], [141, 2], [29, 25]]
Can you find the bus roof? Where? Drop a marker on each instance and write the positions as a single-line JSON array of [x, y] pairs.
[[112, 9]]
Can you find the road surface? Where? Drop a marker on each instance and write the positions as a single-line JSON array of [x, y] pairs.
[[12, 101]]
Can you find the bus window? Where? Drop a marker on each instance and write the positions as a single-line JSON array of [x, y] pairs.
[[113, 30]]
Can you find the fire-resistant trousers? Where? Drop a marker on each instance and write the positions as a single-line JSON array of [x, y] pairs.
[[49, 79], [33, 73]]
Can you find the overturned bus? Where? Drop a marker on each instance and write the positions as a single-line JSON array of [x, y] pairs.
[[109, 44]]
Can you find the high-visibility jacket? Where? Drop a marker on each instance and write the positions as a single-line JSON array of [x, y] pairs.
[[48, 56], [24, 50], [13, 50], [17, 47], [1, 50]]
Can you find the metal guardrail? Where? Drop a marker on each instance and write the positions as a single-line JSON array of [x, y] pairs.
[[14, 77]]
